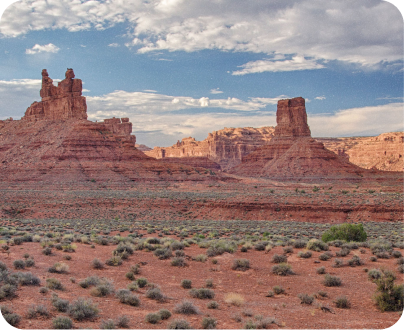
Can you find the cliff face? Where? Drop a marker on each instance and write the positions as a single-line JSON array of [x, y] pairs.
[[292, 153], [383, 152], [226, 147], [55, 143]]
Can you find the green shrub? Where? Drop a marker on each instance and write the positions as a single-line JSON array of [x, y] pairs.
[[209, 283], [241, 264], [282, 269], [178, 262], [212, 305], [347, 231], [29, 262], [114, 261], [102, 290], [38, 310], [332, 280], [83, 309], [186, 307], [179, 324], [342, 302], [12, 318], [153, 318], [127, 297], [276, 258], [19, 264], [62, 322], [122, 321], [355, 261], [209, 323], [107, 324], [54, 284], [61, 305], [304, 255], [186, 284], [316, 245], [389, 296], [305, 298], [141, 282], [164, 314], [155, 294], [202, 293], [97, 264], [278, 289], [59, 268], [321, 270]]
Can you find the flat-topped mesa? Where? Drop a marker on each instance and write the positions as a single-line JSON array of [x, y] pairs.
[[291, 119], [59, 103]]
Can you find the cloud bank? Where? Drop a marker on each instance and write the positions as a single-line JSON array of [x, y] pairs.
[[365, 32], [49, 48]]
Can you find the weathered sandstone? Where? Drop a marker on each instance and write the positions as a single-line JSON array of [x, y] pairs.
[[225, 147], [292, 153]]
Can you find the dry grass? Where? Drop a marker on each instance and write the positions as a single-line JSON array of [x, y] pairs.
[[234, 299]]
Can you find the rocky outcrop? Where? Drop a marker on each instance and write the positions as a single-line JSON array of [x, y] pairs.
[[58, 103], [292, 153], [383, 152], [204, 162], [143, 147], [225, 147]]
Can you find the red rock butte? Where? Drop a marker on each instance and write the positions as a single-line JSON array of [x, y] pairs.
[[293, 153], [54, 142]]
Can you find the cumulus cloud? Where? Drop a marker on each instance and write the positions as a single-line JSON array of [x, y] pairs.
[[320, 98], [297, 63], [114, 44], [364, 32], [49, 48], [215, 91]]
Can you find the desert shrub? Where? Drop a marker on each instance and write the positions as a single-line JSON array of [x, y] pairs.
[[97, 264], [141, 282], [209, 323], [400, 269], [324, 257], [130, 276], [374, 274], [288, 249], [250, 325], [90, 281], [347, 232], [60, 304], [389, 296], [320, 270], [322, 294], [107, 324], [338, 263], [278, 289], [209, 283], [127, 297], [342, 302], [133, 286], [47, 251], [83, 309], [12, 319], [212, 305], [202, 293], [155, 294], [153, 318], [54, 284], [19, 264], [62, 322], [103, 289], [122, 321], [179, 253], [304, 255], [305, 298], [343, 252], [178, 262], [201, 257], [38, 310], [162, 254], [59, 268], [355, 261], [373, 258], [29, 262], [282, 269], [259, 246], [265, 322], [27, 278], [270, 293], [114, 261], [332, 280], [234, 299], [3, 266], [186, 307], [400, 261], [383, 255], [164, 314], [43, 290], [241, 264], [186, 284], [176, 245], [135, 269], [396, 254], [299, 243], [380, 245], [316, 245], [179, 324], [277, 259], [7, 291]]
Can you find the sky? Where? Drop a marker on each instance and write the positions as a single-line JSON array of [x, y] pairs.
[[182, 68]]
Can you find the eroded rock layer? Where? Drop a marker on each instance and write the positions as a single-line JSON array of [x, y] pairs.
[[292, 153], [225, 147]]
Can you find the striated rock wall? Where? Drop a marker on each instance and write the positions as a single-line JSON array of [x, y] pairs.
[[383, 152], [58, 103], [225, 147]]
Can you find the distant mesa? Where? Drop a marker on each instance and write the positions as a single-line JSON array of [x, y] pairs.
[[293, 153]]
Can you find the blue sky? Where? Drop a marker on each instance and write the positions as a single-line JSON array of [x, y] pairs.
[[181, 68]]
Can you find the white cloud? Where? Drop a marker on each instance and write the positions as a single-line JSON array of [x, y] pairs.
[[364, 32], [215, 91], [320, 98], [49, 48], [297, 63], [114, 44]]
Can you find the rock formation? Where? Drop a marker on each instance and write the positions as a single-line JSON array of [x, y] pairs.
[[292, 153], [54, 142], [59, 103], [225, 147], [383, 152]]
